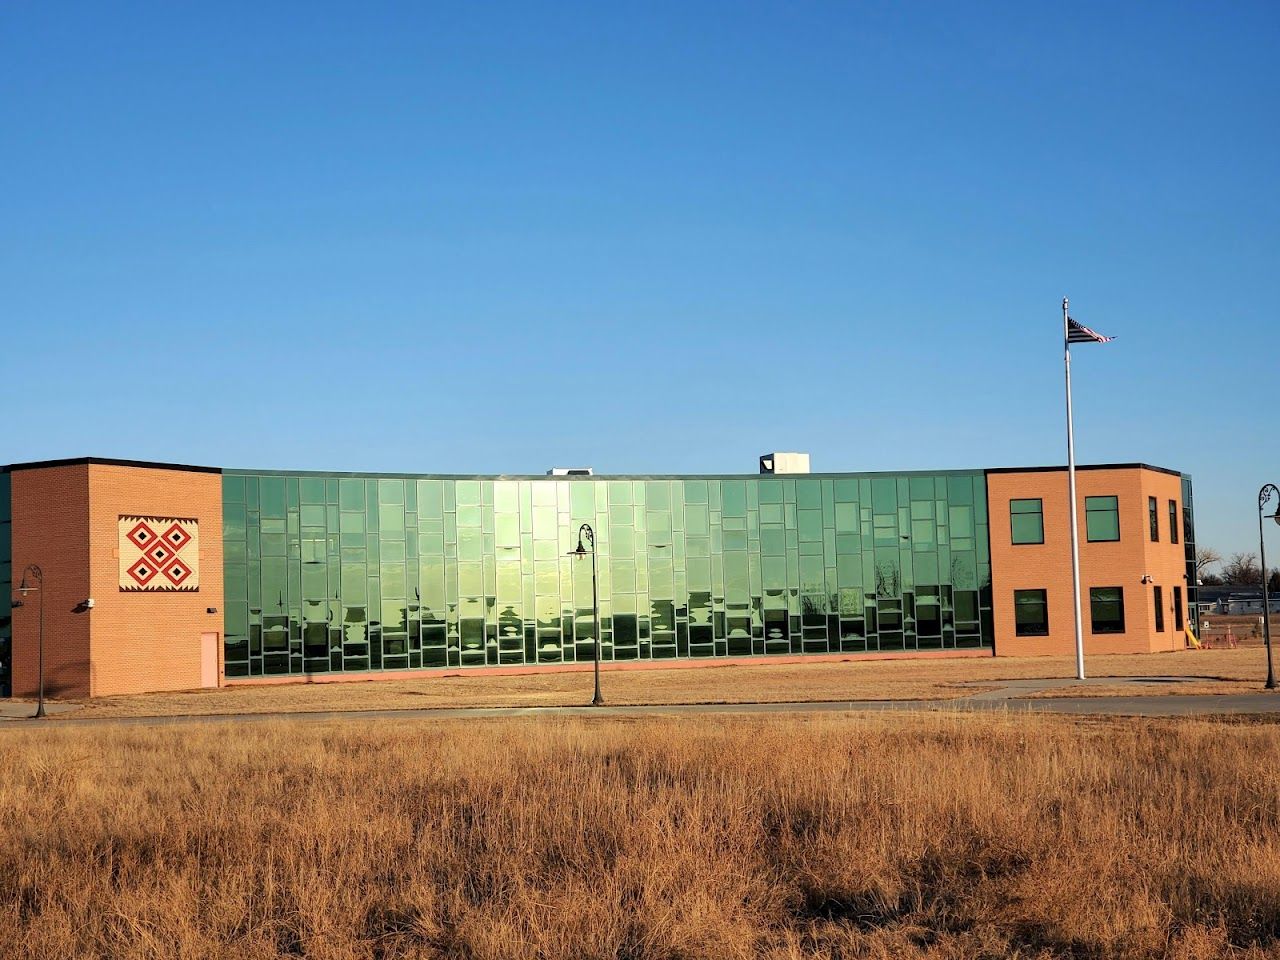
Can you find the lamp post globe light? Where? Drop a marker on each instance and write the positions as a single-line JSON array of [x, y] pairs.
[[585, 533], [33, 580], [1264, 495]]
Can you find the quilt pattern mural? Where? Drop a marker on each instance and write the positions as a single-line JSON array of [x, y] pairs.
[[159, 554]]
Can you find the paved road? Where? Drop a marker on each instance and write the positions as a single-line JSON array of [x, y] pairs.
[[1139, 706]]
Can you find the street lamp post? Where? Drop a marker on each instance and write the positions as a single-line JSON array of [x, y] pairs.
[[24, 588], [586, 532], [1264, 495]]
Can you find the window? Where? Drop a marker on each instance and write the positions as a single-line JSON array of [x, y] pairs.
[[1026, 520], [1030, 613], [1102, 518], [1106, 604], [1159, 600], [1173, 521], [1153, 517], [1177, 609]]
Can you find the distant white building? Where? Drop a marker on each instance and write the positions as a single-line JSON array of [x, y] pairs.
[[1235, 601]]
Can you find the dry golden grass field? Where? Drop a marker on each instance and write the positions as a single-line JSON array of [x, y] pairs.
[[906, 836], [1218, 671]]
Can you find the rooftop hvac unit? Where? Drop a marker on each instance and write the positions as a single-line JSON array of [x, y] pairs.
[[784, 463]]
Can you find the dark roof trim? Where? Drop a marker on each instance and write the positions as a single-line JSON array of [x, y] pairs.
[[1088, 466], [238, 471], [110, 462]]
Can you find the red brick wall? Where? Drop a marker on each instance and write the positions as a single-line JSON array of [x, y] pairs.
[[1118, 564], [151, 640], [50, 529]]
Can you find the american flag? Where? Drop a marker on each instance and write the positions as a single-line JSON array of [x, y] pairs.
[[1079, 333]]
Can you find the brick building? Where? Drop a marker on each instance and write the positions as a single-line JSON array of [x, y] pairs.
[[164, 577]]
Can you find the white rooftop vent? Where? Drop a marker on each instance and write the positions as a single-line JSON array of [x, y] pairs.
[[570, 472], [784, 463]]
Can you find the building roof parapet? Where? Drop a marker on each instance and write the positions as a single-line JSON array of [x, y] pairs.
[[193, 468], [107, 461]]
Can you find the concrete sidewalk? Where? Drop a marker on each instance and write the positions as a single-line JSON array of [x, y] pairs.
[[1260, 703], [24, 709], [1011, 689]]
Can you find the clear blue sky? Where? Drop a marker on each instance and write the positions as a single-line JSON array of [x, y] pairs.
[[644, 237]]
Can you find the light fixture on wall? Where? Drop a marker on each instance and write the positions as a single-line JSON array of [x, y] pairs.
[[1147, 578]]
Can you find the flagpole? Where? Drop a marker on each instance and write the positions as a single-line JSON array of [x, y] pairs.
[[1071, 495]]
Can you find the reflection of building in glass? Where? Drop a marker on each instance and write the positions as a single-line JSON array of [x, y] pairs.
[[423, 571]]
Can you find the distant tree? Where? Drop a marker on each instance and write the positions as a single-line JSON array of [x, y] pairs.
[[1210, 580], [1206, 557], [1273, 581], [1243, 570]]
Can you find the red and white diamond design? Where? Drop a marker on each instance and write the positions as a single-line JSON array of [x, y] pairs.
[[176, 536], [142, 535], [159, 554], [143, 571], [176, 571]]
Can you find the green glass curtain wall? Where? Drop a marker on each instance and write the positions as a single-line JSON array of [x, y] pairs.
[[356, 573], [1189, 546]]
